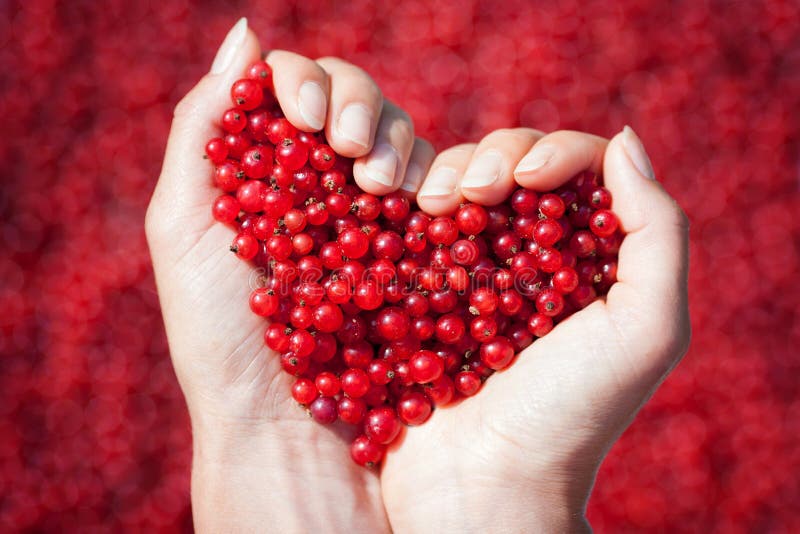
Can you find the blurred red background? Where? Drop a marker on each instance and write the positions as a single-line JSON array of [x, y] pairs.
[[94, 429]]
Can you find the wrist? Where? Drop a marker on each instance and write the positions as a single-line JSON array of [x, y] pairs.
[[481, 505], [278, 474]]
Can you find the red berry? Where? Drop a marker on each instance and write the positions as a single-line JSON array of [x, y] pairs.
[[497, 354], [324, 410], [603, 223], [467, 383], [246, 94], [365, 452], [352, 411], [304, 391], [382, 425], [414, 408], [355, 383], [425, 366]]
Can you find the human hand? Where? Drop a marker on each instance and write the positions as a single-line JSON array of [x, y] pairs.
[[257, 459], [521, 456]]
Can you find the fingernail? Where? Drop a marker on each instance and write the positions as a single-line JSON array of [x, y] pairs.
[[535, 160], [229, 47], [440, 183], [311, 103], [381, 165], [413, 178], [484, 171], [355, 124], [635, 150]]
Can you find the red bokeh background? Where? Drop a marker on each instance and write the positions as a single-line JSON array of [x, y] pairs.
[[93, 429]]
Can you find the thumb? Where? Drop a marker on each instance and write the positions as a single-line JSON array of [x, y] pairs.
[[185, 188], [649, 303]]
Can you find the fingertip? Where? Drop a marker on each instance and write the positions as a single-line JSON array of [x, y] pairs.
[[301, 88], [559, 156]]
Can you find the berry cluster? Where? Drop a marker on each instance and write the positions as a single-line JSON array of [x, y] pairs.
[[381, 311]]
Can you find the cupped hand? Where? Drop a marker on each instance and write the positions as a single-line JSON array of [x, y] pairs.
[[258, 460], [521, 455]]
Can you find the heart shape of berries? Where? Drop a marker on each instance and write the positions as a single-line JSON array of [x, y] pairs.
[[380, 311]]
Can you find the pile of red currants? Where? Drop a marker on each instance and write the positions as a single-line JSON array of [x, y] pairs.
[[382, 312]]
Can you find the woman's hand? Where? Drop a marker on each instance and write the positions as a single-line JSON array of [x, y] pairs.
[[521, 455], [259, 463]]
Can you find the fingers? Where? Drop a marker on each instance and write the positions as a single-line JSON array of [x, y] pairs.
[[440, 193], [489, 178], [419, 162], [383, 169], [557, 157], [184, 180], [301, 88], [650, 299], [354, 109]]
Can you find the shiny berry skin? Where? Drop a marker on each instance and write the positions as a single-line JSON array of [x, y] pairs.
[[509, 302], [524, 201], [365, 452], [603, 223], [547, 232], [393, 323], [322, 157], [328, 317], [225, 209], [539, 324], [245, 246], [395, 207], [237, 143], [600, 198], [234, 121], [380, 372], [583, 243], [264, 302], [246, 94], [497, 354], [483, 301], [228, 176], [302, 343], [551, 206], [216, 150], [353, 242], [549, 260], [367, 296], [549, 302], [417, 222], [291, 154], [414, 408], [304, 391], [423, 327], [324, 410], [261, 72], [464, 252], [471, 219], [366, 207], [506, 245], [440, 391], [382, 425], [458, 278], [442, 231], [280, 129], [565, 280], [251, 195], [325, 348], [388, 245], [450, 328], [467, 383], [425, 366], [355, 383], [351, 411], [357, 354], [483, 329], [276, 337], [293, 364], [327, 384]]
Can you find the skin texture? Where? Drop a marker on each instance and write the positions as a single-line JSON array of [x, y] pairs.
[[522, 454]]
